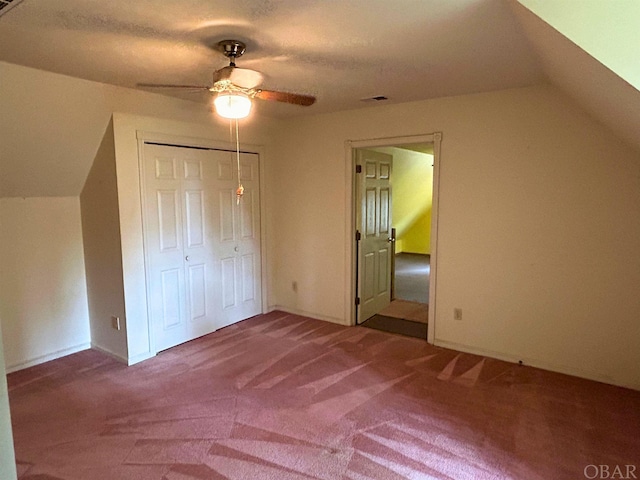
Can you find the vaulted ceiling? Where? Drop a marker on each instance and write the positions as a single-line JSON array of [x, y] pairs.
[[340, 51]]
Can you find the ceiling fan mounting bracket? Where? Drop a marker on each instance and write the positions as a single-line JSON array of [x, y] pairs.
[[231, 48]]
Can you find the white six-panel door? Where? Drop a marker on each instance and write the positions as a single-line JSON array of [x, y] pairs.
[[237, 238], [374, 219], [202, 249]]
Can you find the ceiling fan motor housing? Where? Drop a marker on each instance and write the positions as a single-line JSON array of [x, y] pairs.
[[232, 49]]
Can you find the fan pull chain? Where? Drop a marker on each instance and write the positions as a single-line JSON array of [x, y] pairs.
[[240, 189]]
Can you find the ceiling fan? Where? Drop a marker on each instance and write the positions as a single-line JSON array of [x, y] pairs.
[[235, 87]]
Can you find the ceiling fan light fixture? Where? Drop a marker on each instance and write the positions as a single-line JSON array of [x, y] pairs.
[[232, 105]]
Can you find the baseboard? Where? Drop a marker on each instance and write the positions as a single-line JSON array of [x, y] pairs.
[[140, 357], [532, 362], [106, 351], [127, 361], [47, 358], [304, 313]]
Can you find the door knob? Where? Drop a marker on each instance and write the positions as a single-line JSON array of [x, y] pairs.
[[235, 249], [187, 258]]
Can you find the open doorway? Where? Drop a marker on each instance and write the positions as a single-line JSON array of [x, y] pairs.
[[412, 207], [410, 218]]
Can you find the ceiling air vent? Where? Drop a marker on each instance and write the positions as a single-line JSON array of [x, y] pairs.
[[377, 98], [6, 5]]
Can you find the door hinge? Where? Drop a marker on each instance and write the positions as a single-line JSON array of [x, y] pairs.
[[358, 236], [358, 168], [357, 300]]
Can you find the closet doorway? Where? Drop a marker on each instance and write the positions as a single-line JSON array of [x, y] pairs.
[[202, 247]]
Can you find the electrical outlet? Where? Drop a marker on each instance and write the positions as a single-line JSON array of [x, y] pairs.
[[115, 323], [457, 314], [294, 286]]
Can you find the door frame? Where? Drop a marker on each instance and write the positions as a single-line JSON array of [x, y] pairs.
[[193, 142], [352, 204]]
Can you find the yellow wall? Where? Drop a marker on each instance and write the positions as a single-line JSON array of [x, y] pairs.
[[417, 239], [412, 182]]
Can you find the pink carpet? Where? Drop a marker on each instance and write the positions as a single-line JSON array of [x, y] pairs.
[[286, 397]]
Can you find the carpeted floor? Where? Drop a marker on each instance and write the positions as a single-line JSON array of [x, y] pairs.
[[286, 397], [416, 312]]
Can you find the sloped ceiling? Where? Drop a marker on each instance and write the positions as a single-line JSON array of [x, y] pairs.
[[606, 30], [341, 52], [598, 89]]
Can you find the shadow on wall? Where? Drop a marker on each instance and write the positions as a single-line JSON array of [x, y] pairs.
[[416, 236], [412, 181]]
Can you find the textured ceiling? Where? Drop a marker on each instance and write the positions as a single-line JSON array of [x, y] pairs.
[[340, 51]]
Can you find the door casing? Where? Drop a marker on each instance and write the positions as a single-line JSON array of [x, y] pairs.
[[352, 202]]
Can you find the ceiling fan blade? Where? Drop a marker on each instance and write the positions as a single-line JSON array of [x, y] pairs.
[[162, 85], [286, 97]]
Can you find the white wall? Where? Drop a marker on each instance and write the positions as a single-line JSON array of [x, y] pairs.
[[102, 250], [42, 282], [48, 145], [539, 211], [51, 126], [539, 226], [253, 131], [7, 455]]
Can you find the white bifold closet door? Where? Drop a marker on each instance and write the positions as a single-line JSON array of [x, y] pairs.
[[202, 248]]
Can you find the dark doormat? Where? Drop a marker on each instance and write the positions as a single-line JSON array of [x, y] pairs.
[[397, 325]]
